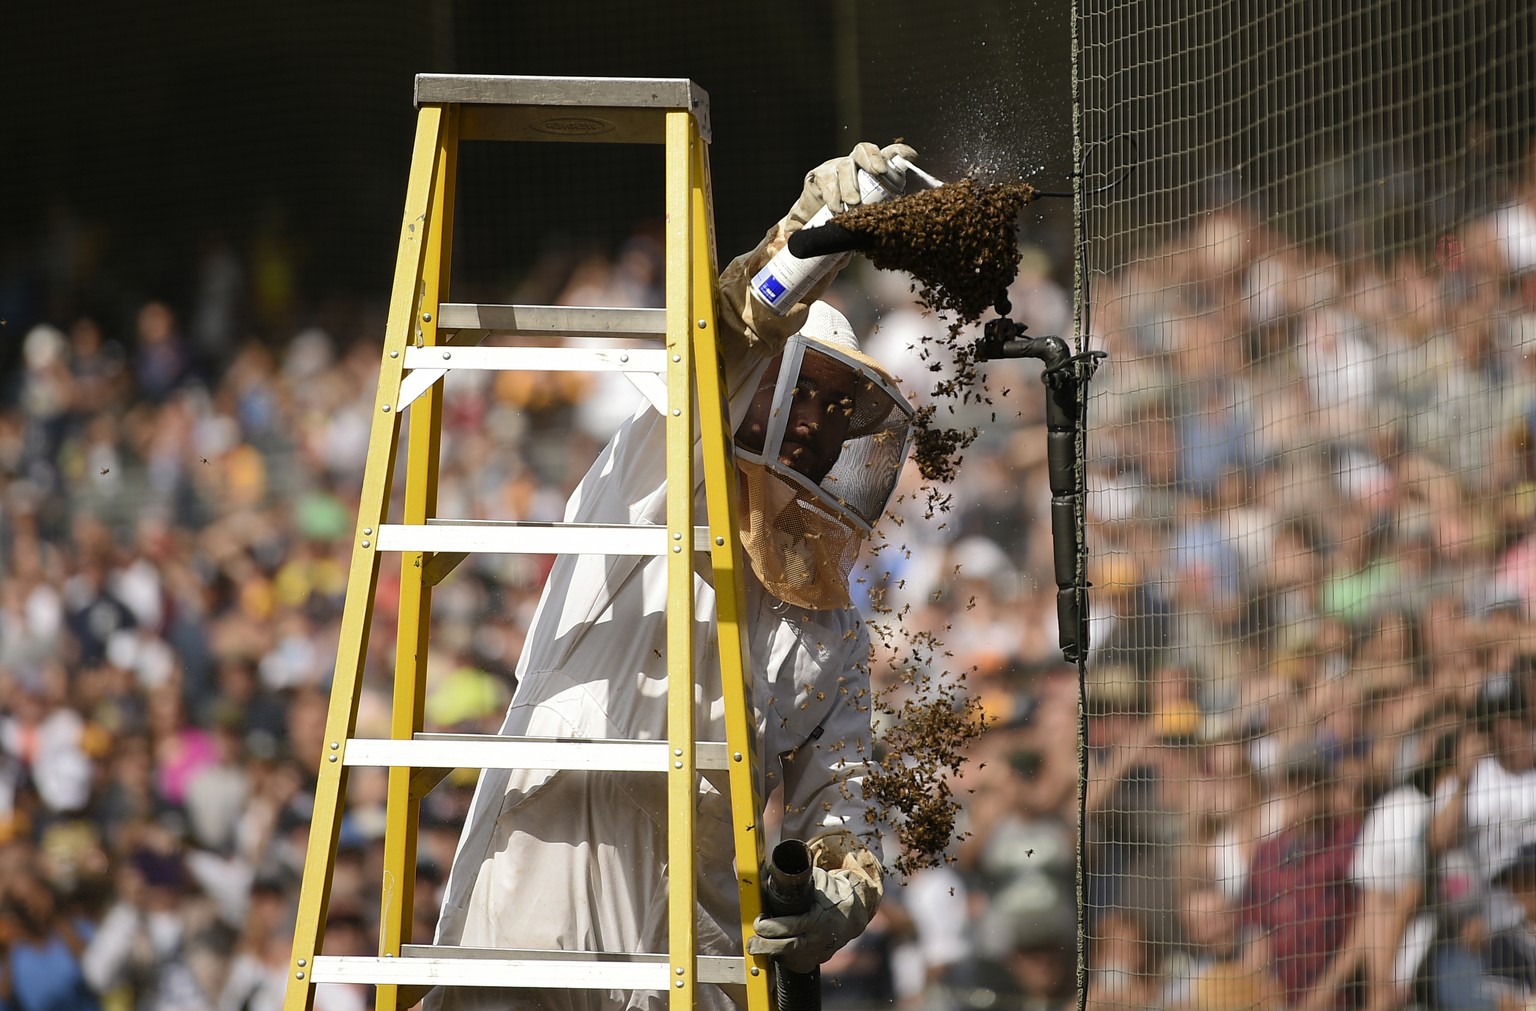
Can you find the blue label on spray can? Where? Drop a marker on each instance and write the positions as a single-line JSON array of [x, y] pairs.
[[771, 288]]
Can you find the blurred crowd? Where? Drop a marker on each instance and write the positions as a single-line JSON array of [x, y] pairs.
[[1310, 745]]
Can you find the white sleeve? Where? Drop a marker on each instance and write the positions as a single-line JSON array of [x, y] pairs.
[[1478, 795], [1389, 854], [1486, 801], [106, 957], [824, 777]]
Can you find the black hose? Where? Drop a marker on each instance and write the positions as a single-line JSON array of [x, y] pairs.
[[789, 891]]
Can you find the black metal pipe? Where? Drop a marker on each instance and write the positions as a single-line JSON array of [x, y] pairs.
[[1064, 377], [789, 891], [1060, 461]]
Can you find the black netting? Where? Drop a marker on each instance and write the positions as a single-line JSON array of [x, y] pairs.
[[1310, 485]]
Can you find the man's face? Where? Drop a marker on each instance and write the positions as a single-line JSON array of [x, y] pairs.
[[819, 415]]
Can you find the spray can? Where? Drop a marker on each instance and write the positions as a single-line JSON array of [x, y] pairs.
[[784, 281]]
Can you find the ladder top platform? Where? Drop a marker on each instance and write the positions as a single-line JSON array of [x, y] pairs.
[[624, 109]]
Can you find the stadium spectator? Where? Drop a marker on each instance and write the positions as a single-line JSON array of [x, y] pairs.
[[1220, 966], [1501, 796], [144, 944], [41, 968], [1411, 886], [1298, 892], [1512, 950]]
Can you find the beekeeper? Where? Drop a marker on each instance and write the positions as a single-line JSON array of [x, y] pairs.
[[574, 860]]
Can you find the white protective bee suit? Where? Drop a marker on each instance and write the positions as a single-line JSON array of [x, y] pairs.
[[576, 861]]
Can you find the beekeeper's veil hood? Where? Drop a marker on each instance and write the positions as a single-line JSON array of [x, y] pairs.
[[820, 451]]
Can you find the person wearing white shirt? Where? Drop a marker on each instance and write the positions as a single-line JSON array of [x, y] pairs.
[[1404, 865], [1501, 797]]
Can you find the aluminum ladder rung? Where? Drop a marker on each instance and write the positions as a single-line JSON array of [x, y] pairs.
[[492, 751], [468, 324], [527, 359], [427, 965], [551, 320], [532, 538]]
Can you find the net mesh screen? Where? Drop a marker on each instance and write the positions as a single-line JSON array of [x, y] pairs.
[[1310, 761]]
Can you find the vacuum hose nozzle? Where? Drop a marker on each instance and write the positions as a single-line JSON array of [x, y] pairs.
[[822, 240], [788, 890]]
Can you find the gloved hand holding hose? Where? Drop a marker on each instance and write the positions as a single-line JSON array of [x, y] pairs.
[[833, 184], [846, 879]]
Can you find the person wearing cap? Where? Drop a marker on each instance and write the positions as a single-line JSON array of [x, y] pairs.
[[1501, 794], [574, 860]]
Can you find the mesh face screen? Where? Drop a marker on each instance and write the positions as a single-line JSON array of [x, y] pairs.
[[827, 422]]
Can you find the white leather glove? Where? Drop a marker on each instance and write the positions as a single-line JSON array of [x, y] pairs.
[[833, 183], [847, 896]]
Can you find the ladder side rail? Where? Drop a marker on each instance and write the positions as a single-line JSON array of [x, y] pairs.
[[363, 573], [720, 488], [397, 901], [682, 777]]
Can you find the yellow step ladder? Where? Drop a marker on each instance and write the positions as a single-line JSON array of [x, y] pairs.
[[426, 336]]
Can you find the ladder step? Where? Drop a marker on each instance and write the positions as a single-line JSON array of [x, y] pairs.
[[551, 320], [426, 365], [526, 359], [532, 538], [435, 965], [558, 92], [493, 751], [614, 109], [471, 323]]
